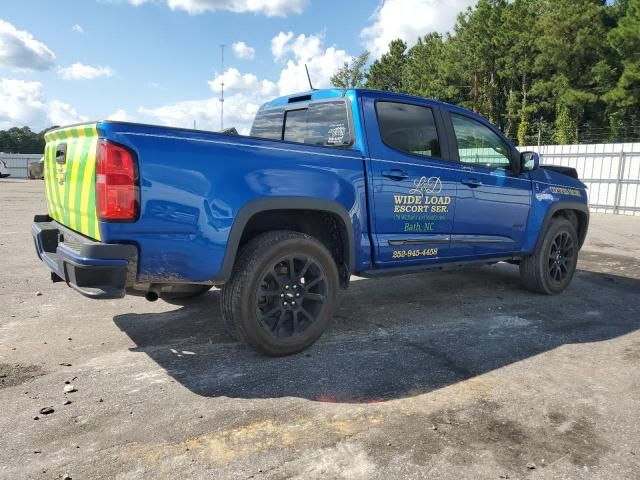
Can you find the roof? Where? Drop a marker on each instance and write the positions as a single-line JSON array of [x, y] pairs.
[[328, 93]]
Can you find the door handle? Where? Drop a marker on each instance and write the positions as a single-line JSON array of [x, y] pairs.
[[472, 182], [395, 174]]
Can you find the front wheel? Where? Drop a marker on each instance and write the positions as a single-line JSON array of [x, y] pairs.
[[551, 267], [281, 294]]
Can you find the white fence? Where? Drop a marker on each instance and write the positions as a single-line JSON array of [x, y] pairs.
[[611, 171], [18, 163]]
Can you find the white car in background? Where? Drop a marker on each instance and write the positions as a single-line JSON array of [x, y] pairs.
[[4, 169]]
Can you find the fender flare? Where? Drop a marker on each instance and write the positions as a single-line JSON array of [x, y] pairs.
[[260, 205], [563, 205]]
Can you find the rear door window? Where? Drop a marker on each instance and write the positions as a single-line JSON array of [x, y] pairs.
[[408, 128]]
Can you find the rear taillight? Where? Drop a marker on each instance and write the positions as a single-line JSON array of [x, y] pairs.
[[116, 183]]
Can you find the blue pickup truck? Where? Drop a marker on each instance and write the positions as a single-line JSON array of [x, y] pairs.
[[328, 184]]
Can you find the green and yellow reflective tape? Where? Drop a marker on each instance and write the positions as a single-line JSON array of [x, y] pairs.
[[70, 188]]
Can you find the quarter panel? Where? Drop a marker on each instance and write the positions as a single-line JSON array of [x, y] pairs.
[[193, 185]]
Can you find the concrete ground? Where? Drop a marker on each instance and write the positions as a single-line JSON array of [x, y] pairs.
[[440, 375]]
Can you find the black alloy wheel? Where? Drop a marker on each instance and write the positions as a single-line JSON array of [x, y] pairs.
[[561, 257], [291, 295], [282, 292]]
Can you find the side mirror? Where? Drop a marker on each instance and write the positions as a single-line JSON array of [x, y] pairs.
[[529, 161]]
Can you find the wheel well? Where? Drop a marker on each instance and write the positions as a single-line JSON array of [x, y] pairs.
[[328, 228], [579, 219]]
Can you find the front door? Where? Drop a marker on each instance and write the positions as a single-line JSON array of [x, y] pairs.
[[493, 199], [413, 186]]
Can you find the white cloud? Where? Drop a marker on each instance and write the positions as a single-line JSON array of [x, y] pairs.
[[278, 44], [321, 68], [301, 50], [119, 115], [61, 113], [303, 47], [79, 71], [243, 51], [239, 111], [246, 92], [409, 20], [20, 51], [23, 103], [270, 8], [135, 3], [234, 81], [77, 28]]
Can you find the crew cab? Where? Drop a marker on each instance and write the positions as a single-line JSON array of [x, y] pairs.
[[329, 184]]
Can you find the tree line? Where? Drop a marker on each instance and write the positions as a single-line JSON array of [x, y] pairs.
[[21, 140], [550, 70]]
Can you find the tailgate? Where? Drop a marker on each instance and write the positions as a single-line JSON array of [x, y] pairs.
[[69, 174]]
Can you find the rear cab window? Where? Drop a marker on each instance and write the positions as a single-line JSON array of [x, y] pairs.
[[268, 124], [323, 123]]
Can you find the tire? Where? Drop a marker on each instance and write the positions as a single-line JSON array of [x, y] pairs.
[[178, 297], [552, 266], [297, 303]]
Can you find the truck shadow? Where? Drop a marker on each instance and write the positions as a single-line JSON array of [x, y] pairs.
[[395, 337]]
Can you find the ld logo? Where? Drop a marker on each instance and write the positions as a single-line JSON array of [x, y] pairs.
[[426, 186]]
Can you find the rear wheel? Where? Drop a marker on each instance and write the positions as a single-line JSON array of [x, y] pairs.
[[281, 294], [552, 266]]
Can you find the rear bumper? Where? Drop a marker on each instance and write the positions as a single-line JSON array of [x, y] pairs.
[[97, 270]]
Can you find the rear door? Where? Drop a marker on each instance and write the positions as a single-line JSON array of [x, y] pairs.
[[412, 186], [493, 198], [69, 174]]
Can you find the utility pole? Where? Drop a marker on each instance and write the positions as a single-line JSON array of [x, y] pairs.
[[222, 89], [539, 132], [539, 135]]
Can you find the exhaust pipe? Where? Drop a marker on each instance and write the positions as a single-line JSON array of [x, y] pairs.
[[152, 295]]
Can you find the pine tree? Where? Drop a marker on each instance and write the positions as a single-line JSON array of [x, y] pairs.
[[569, 44], [624, 99], [386, 73], [529, 66], [351, 75], [565, 126], [424, 74]]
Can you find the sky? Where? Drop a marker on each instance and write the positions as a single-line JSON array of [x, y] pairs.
[[159, 61]]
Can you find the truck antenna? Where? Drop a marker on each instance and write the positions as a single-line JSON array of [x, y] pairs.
[[308, 77], [222, 89]]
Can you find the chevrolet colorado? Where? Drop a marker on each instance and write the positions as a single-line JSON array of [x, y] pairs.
[[329, 183]]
